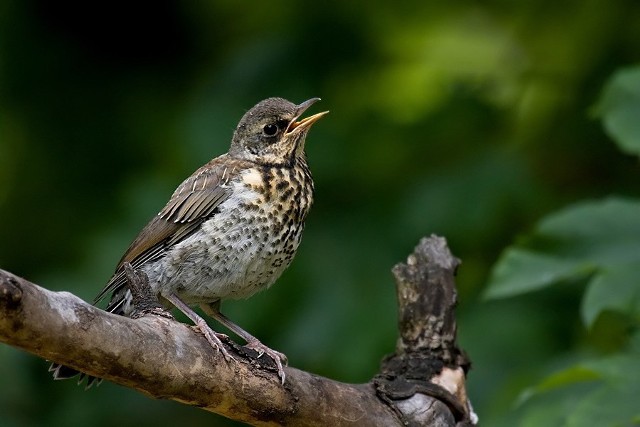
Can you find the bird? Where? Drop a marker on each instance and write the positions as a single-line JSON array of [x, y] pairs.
[[229, 230]]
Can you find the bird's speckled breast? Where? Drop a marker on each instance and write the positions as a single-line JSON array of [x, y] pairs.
[[247, 244]]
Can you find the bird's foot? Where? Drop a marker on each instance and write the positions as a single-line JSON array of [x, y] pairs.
[[278, 358], [214, 338]]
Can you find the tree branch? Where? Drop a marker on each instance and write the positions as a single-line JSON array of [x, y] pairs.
[[428, 370], [166, 359]]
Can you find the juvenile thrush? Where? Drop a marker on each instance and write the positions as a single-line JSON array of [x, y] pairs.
[[230, 229]]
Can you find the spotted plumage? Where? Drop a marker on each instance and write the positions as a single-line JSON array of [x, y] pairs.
[[231, 228]]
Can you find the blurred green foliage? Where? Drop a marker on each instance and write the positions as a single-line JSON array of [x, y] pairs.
[[473, 121], [595, 243]]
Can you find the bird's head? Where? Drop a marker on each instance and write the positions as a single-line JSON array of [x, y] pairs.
[[270, 132]]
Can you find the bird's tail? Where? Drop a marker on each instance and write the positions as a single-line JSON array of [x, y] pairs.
[[62, 372]]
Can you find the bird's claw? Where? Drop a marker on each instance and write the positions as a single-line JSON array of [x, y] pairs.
[[214, 338], [276, 356]]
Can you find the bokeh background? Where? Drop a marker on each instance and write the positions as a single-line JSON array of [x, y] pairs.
[[470, 120]]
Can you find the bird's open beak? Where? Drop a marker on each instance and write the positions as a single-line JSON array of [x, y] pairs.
[[307, 122]]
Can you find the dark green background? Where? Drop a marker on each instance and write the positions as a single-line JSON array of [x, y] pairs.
[[470, 120]]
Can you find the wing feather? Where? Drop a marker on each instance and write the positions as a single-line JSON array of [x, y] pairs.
[[193, 202]]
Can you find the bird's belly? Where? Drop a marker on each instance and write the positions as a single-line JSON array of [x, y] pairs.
[[232, 256]]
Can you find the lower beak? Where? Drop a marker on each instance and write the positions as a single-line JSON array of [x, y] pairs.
[[306, 122]]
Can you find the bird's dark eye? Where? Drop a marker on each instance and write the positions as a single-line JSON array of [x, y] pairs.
[[270, 129]]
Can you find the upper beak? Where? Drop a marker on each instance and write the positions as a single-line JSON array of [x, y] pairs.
[[307, 122]]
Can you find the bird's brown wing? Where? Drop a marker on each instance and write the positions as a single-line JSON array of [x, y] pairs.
[[193, 202]]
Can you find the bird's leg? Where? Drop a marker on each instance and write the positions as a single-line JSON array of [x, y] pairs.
[[253, 343], [212, 336]]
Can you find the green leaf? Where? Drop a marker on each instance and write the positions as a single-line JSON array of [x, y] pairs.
[[608, 406], [571, 375], [616, 289], [619, 108], [602, 392], [561, 379], [600, 238], [521, 270], [615, 402]]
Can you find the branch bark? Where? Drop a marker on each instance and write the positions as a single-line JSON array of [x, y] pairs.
[[428, 370], [166, 359]]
